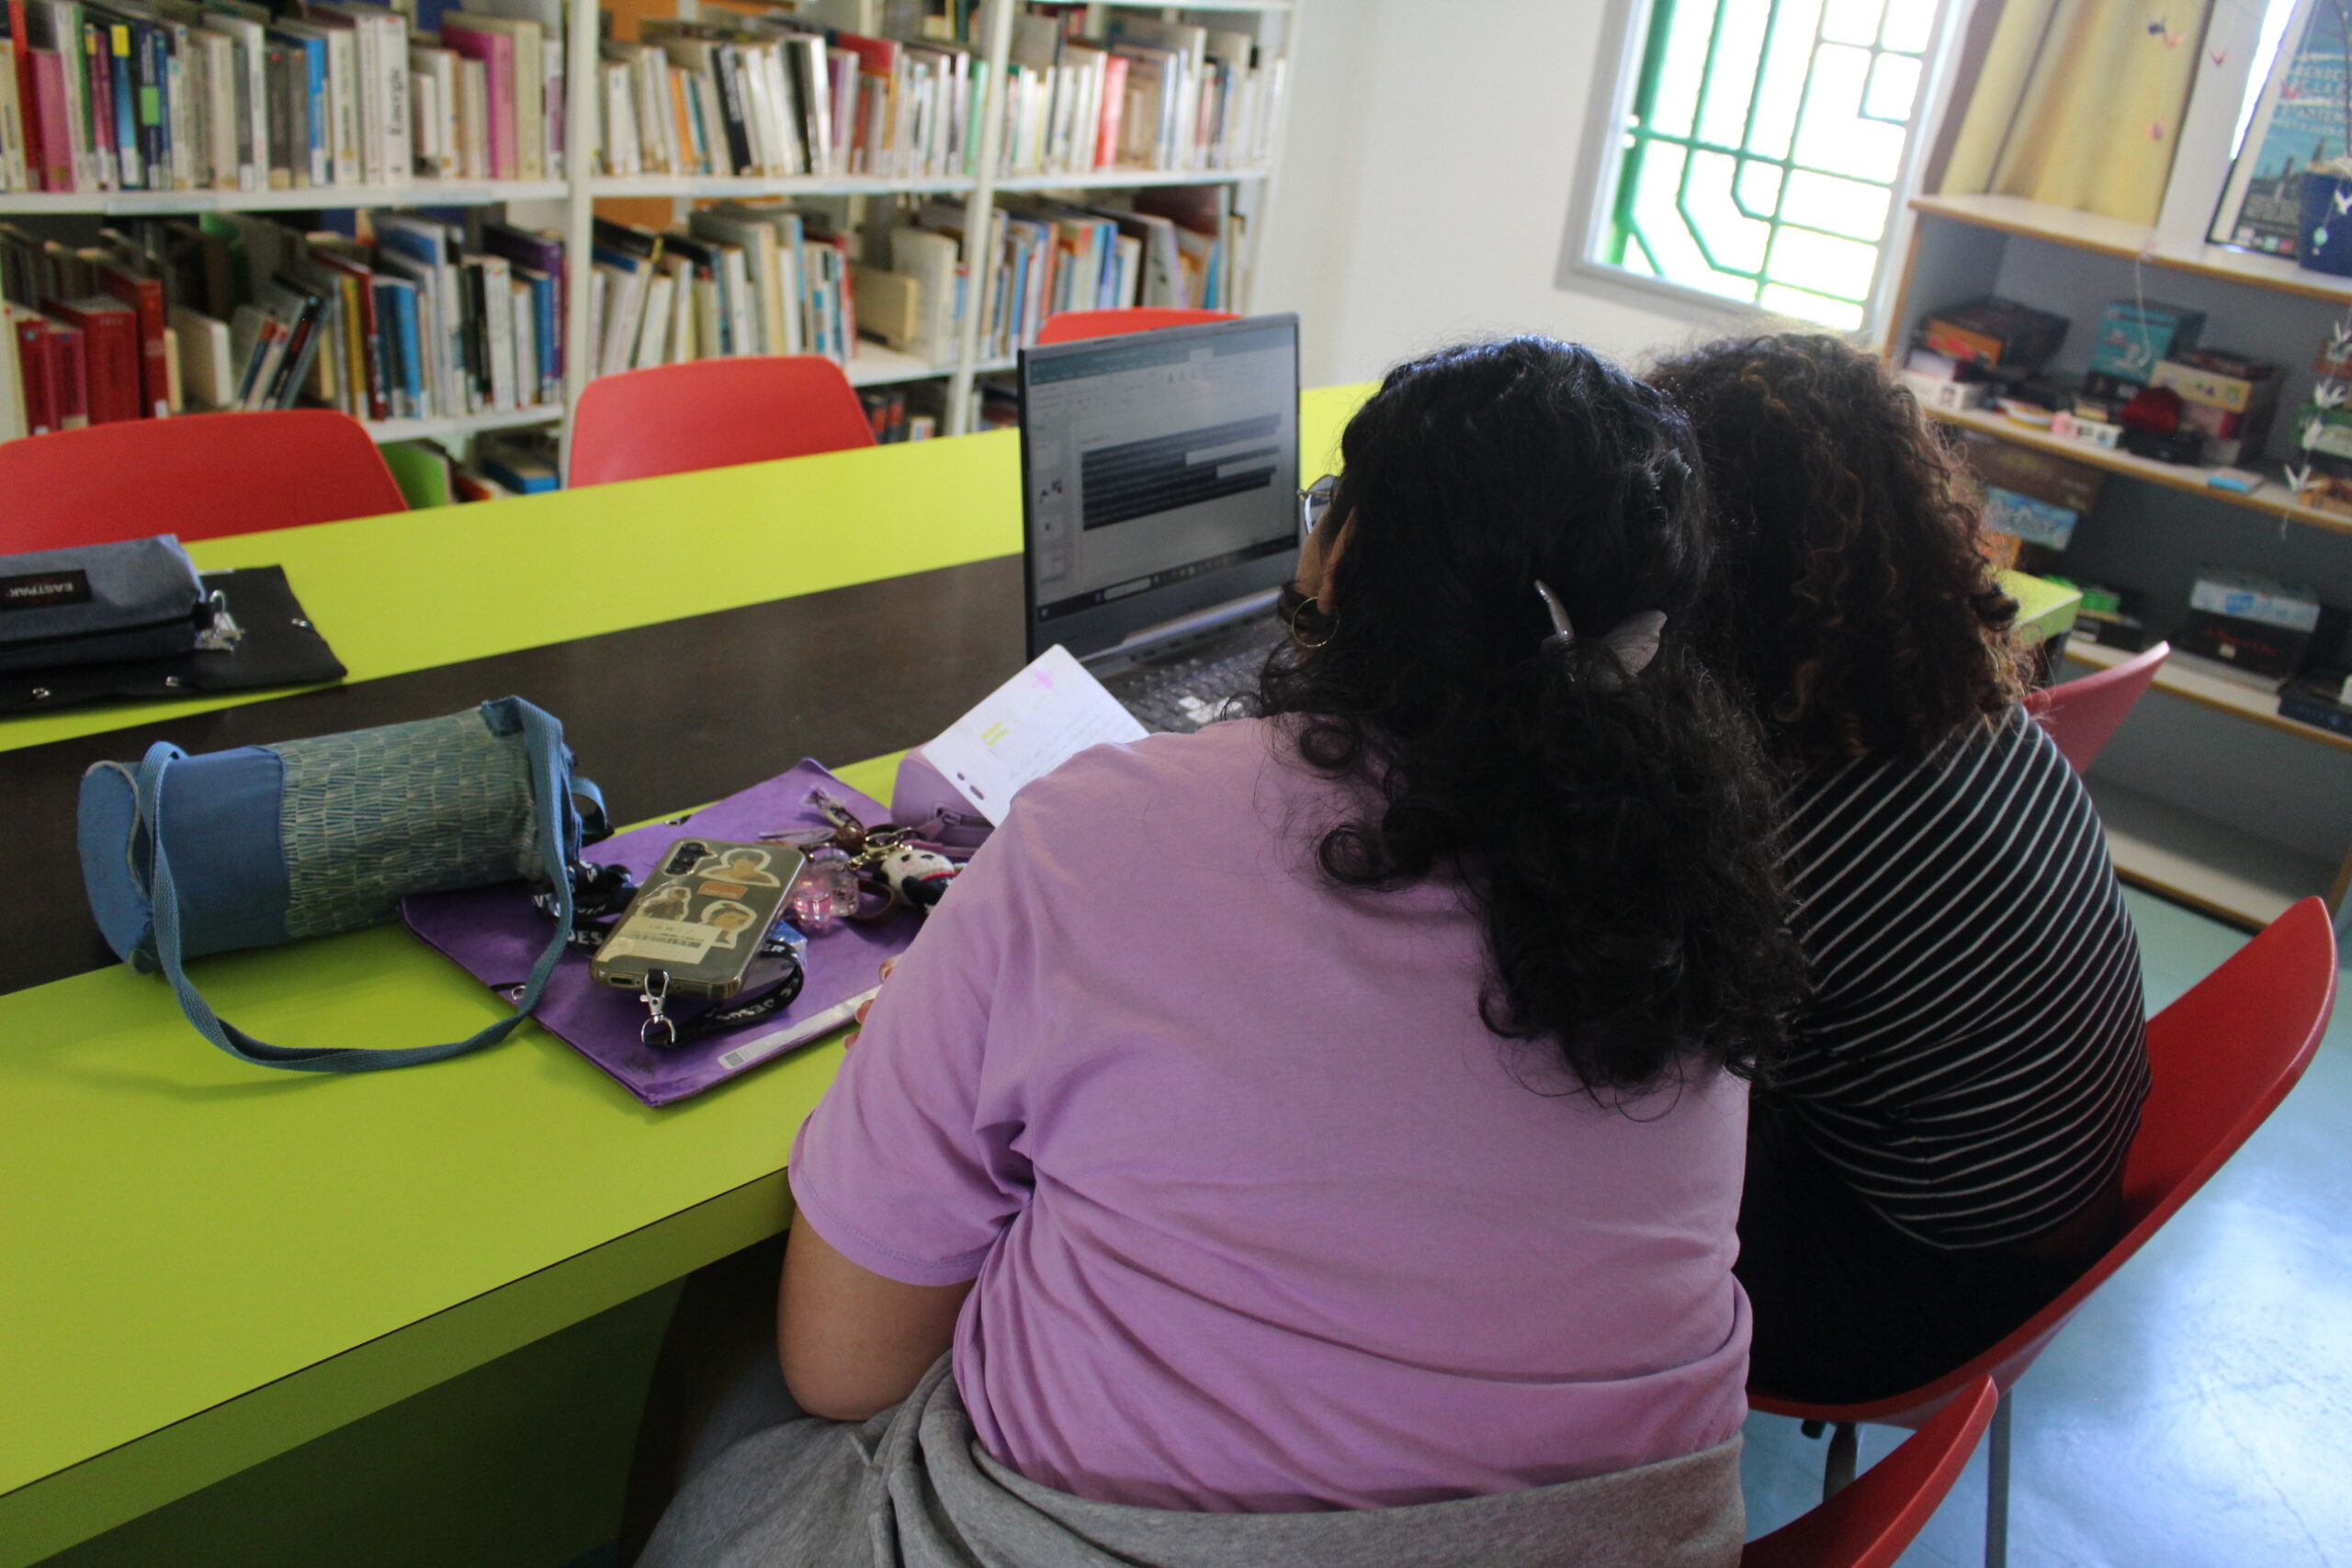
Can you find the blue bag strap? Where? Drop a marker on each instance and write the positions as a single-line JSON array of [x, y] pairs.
[[543, 739]]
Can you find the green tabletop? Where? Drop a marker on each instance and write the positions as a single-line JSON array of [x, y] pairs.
[[2045, 609], [203, 1264]]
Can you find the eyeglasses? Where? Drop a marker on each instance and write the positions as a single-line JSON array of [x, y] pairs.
[[1314, 501]]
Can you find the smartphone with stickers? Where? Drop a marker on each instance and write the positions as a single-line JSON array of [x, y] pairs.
[[700, 917]]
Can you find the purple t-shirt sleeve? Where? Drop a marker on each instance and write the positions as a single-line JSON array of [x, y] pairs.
[[907, 1166]]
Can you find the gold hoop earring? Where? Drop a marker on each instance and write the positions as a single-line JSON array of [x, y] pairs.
[[1292, 623]]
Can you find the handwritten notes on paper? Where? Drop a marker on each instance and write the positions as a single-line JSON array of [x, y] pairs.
[[1026, 729]]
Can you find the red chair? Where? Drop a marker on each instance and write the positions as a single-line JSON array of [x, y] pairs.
[[2221, 1059], [198, 476], [1869, 1523], [713, 414], [2081, 713], [1071, 326]]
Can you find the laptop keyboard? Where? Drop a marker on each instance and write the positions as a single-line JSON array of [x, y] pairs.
[[1183, 693]]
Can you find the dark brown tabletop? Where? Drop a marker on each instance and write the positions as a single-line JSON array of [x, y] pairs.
[[661, 717]]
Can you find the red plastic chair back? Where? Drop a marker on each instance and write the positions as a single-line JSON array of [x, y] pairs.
[[1071, 326], [1869, 1523], [199, 475], [713, 414], [2219, 1061], [2081, 713]]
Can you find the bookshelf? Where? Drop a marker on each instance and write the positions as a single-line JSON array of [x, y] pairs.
[[2211, 796], [569, 204]]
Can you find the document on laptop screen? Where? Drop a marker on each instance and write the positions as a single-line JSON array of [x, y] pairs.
[[1026, 729]]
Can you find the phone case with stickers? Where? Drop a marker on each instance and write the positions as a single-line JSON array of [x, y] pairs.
[[700, 917]]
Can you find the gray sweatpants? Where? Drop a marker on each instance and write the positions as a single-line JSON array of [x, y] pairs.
[[770, 1487]]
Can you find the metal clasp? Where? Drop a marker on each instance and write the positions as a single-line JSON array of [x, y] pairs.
[[657, 1030]]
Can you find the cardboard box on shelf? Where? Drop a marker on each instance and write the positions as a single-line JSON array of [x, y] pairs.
[[1937, 394], [1993, 331], [2136, 336], [2229, 397], [2026, 517], [2250, 596]]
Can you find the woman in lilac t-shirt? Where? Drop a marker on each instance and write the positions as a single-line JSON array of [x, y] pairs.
[[1342, 1108]]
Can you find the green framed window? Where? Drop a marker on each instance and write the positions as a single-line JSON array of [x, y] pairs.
[[1762, 148]]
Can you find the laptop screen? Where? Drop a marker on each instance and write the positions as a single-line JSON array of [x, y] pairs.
[[1159, 475]]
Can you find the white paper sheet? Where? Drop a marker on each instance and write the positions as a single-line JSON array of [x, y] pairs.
[[1026, 729]]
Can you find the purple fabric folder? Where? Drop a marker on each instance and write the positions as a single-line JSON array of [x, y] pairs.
[[494, 933]]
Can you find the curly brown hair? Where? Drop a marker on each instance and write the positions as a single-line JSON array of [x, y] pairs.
[[1855, 604]]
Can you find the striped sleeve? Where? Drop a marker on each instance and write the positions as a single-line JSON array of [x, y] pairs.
[[1973, 1057]]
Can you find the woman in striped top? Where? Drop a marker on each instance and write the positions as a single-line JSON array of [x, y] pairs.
[[1941, 1151]]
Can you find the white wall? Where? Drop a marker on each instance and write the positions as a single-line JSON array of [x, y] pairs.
[[1433, 153]]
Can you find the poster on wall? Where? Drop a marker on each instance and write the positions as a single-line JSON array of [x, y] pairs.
[[2301, 119]]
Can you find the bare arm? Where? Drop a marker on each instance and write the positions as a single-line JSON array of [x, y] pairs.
[[853, 1343]]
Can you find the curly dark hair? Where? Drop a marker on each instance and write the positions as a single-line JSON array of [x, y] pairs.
[[1616, 834], [1856, 607]]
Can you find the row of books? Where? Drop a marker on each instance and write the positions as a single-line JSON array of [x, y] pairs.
[[234, 95], [92, 335], [410, 317], [735, 278], [1173, 246], [775, 97], [1154, 95], [231, 311], [227, 95], [769, 277]]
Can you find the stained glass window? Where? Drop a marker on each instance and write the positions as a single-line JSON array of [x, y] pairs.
[[1762, 147]]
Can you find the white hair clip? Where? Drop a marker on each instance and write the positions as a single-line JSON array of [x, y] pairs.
[[1633, 640]]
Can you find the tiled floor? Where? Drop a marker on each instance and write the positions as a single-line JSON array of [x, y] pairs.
[[2197, 1412]]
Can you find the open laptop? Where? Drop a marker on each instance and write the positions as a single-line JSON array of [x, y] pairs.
[[1159, 508]]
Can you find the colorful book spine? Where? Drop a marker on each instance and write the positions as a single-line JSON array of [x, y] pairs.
[[409, 335], [123, 99], [71, 376], [52, 128], [154, 119], [145, 297], [38, 359], [109, 355], [98, 100], [496, 51]]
